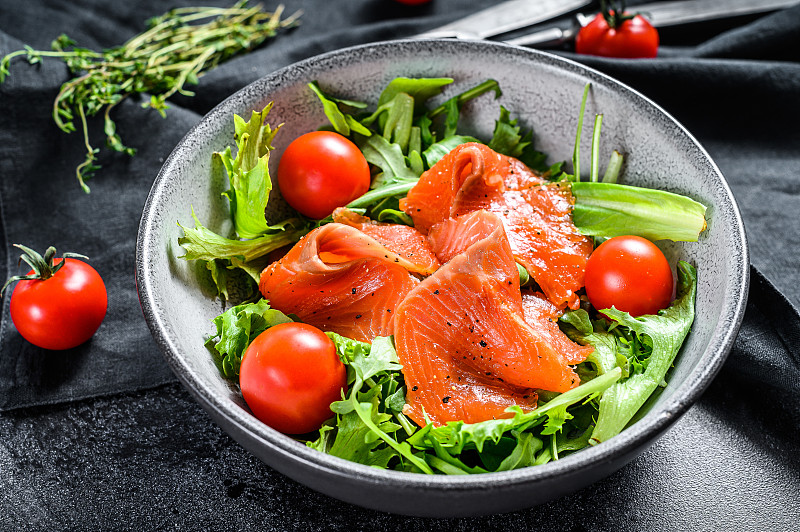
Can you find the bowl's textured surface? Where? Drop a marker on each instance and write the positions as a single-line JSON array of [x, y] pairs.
[[544, 92]]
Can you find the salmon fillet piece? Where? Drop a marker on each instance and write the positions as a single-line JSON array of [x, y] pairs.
[[466, 348], [536, 214], [405, 241], [340, 279], [543, 316]]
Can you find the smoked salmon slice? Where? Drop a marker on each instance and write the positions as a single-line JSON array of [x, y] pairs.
[[340, 279], [543, 316], [537, 215], [466, 348], [403, 240]]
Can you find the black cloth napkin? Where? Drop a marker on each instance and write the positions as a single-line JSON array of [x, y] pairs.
[[100, 435]]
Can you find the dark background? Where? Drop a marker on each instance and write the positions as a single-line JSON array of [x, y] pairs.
[[103, 437]]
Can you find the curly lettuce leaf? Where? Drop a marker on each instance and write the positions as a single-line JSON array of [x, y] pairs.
[[644, 348], [456, 436], [248, 173], [223, 255], [509, 139], [236, 328]]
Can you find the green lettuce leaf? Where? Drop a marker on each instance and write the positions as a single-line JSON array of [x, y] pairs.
[[611, 209], [509, 139], [236, 328], [643, 348], [223, 255], [248, 173]]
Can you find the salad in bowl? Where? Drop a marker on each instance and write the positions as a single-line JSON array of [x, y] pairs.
[[409, 279]]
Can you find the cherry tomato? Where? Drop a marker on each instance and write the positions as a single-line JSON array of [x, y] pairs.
[[630, 274], [290, 375], [62, 311], [320, 171], [628, 38]]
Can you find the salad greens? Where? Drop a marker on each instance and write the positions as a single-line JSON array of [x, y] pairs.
[[644, 348], [237, 327], [401, 139], [611, 209], [631, 359]]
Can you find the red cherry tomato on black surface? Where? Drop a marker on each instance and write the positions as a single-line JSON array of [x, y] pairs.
[[290, 375], [629, 273], [63, 309], [320, 171], [630, 38]]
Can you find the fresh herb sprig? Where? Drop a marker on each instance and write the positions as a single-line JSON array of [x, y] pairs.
[[174, 51]]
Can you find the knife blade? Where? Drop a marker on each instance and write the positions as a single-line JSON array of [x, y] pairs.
[[502, 18], [660, 15]]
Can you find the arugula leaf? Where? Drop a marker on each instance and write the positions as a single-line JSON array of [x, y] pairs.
[[456, 436], [236, 328], [421, 89], [364, 421], [524, 453], [487, 86], [611, 209], [248, 173], [352, 441], [342, 123], [508, 139], [395, 119], [389, 158]]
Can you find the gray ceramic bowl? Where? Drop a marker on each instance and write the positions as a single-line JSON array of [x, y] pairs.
[[544, 91]]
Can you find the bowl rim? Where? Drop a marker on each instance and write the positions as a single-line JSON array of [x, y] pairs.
[[653, 423]]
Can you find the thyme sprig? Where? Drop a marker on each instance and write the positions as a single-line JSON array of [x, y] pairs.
[[174, 51]]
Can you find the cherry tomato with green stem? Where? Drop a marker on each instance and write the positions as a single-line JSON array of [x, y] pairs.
[[60, 303], [612, 35], [320, 171], [289, 376], [631, 274]]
